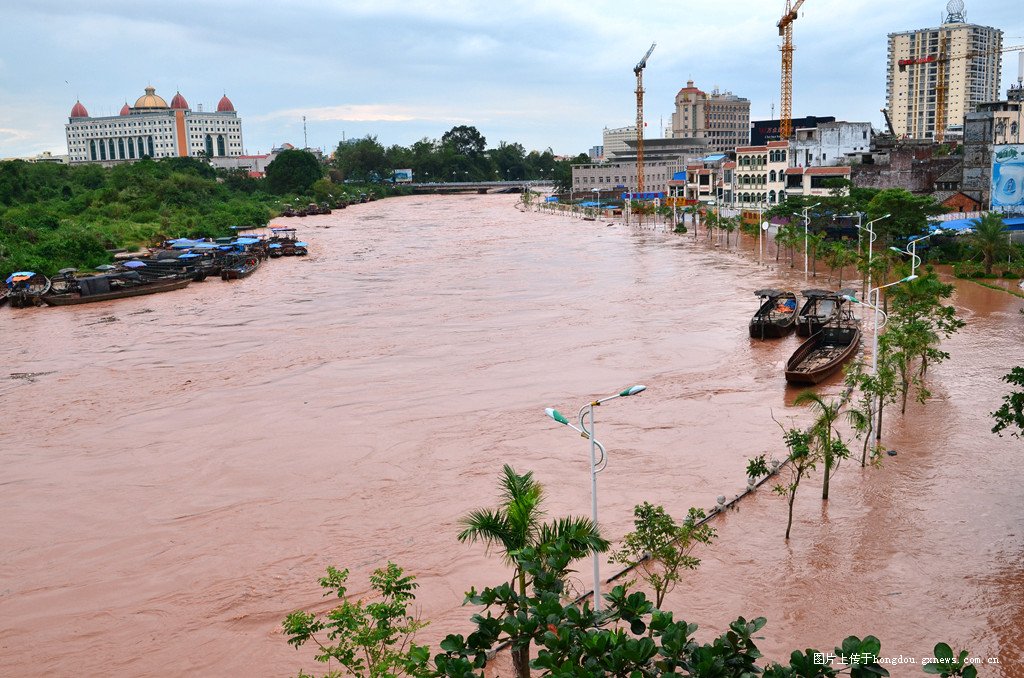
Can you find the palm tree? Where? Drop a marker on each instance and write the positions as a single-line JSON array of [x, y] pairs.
[[832, 449], [989, 238], [516, 524]]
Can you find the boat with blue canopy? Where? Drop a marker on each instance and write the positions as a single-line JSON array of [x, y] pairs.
[[26, 288]]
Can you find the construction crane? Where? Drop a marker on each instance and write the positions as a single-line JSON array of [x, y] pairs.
[[786, 32], [638, 70], [888, 122], [942, 61]]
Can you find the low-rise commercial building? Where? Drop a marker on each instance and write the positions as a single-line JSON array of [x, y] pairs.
[[622, 176], [829, 144], [815, 182], [761, 174]]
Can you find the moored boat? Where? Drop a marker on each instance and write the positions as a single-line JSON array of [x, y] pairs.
[[242, 266], [824, 352], [110, 286], [776, 317], [26, 288], [821, 307]]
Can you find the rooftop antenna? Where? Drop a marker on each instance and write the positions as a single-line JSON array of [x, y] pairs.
[[305, 139]]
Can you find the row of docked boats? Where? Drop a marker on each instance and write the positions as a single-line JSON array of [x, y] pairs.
[[825, 318], [313, 209], [172, 265]]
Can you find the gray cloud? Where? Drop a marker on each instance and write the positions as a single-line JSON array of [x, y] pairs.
[[546, 74]]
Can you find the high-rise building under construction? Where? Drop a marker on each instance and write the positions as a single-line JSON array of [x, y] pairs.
[[937, 75]]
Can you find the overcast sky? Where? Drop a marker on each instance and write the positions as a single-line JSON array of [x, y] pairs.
[[545, 74]]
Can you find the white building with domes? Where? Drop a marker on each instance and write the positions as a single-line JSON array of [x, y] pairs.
[[155, 129]]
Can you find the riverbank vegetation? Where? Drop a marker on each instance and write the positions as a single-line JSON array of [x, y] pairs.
[[629, 636], [54, 216]]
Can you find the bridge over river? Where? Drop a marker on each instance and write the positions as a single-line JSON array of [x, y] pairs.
[[480, 186]]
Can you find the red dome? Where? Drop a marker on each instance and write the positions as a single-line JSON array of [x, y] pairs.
[[225, 105], [78, 111], [125, 110], [179, 102]]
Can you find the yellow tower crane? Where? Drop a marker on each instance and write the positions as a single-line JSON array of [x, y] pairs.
[[638, 70], [786, 32], [942, 62]]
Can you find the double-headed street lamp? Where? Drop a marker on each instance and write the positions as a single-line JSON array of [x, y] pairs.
[[876, 307], [805, 210], [911, 249], [596, 465]]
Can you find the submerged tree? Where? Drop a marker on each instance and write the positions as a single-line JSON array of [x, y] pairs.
[[661, 549], [802, 458], [367, 639], [825, 438]]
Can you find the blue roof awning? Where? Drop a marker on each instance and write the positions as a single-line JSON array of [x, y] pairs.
[[1012, 224]]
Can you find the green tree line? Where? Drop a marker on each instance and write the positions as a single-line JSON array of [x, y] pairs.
[[461, 154]]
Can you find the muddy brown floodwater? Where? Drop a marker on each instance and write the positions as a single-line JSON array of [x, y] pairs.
[[177, 471]]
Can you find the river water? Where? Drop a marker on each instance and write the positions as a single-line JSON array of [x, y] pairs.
[[178, 470]]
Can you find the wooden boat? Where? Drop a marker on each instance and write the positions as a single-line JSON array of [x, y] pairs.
[[776, 317], [113, 286], [242, 267], [26, 288], [821, 355], [821, 307]]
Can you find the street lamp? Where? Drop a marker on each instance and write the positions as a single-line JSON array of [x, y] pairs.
[[597, 192], [911, 249], [806, 221], [596, 465], [874, 340]]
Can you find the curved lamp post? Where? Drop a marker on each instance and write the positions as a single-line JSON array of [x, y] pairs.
[[807, 219], [911, 249], [874, 340], [597, 464]]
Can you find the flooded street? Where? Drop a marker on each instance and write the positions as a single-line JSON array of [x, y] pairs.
[[176, 471]]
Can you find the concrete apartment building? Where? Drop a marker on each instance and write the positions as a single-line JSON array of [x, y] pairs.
[[615, 140], [967, 59], [830, 143], [720, 117]]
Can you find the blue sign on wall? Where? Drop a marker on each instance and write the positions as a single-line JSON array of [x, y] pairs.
[[643, 196]]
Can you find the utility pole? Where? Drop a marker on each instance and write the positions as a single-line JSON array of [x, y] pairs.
[[305, 139]]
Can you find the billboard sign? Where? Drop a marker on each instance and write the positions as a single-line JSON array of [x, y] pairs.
[[1008, 179], [403, 176]]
